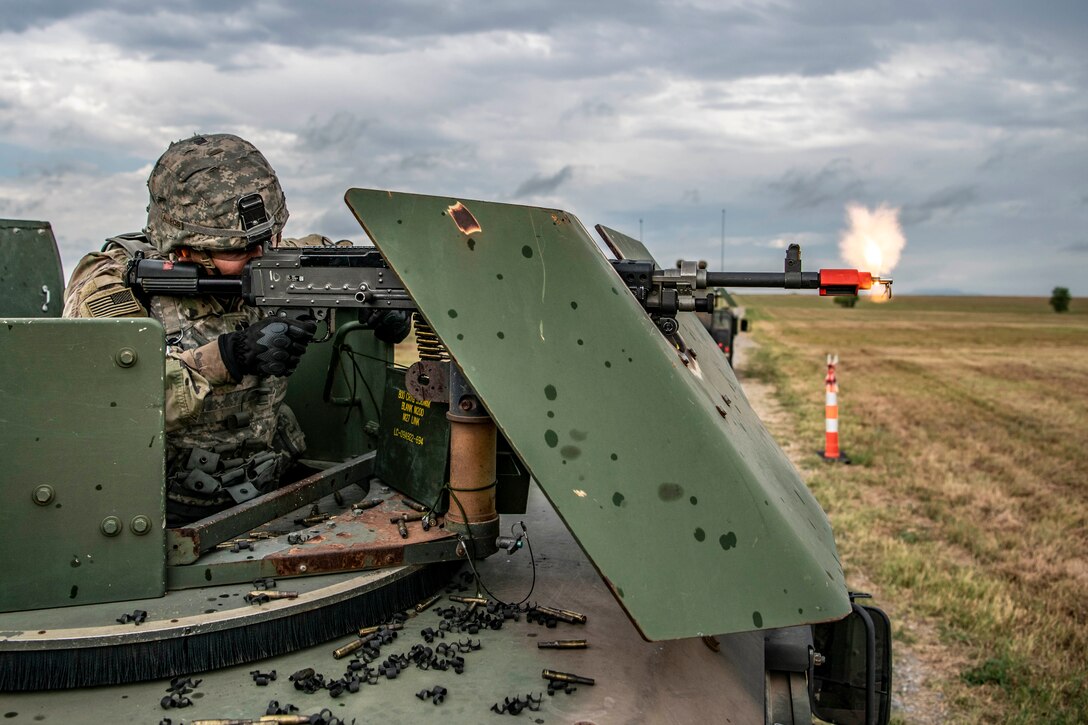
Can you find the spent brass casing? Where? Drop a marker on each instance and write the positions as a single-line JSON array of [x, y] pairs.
[[351, 647], [367, 504], [311, 520], [555, 676], [564, 614], [348, 649], [413, 516], [427, 603], [233, 542], [563, 644], [468, 600], [263, 720], [402, 527], [273, 594], [372, 629], [414, 505]]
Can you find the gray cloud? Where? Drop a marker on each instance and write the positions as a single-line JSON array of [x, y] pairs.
[[836, 181], [591, 108], [342, 131], [539, 185], [1076, 248], [948, 201], [668, 110]]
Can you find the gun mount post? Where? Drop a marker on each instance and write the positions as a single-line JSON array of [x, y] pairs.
[[473, 446]]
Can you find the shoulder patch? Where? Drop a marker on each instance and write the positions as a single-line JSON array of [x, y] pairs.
[[113, 303]]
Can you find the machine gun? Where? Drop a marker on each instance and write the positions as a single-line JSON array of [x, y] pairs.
[[665, 292], [285, 281]]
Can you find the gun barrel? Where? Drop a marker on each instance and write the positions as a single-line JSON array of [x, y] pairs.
[[805, 280]]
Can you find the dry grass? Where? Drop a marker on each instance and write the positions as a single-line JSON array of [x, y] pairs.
[[967, 506]]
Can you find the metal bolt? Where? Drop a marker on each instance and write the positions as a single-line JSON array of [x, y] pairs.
[[43, 495], [111, 526], [818, 659], [140, 525], [125, 357], [302, 568]]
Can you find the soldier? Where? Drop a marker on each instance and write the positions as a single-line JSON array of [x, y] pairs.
[[229, 435]]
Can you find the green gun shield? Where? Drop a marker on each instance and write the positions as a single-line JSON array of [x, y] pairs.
[[656, 461]]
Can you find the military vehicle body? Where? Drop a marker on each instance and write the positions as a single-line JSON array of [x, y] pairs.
[[642, 442], [724, 321]]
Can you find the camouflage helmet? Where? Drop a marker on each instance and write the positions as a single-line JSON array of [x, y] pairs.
[[195, 188]]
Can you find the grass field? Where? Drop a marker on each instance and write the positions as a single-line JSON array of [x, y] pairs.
[[966, 509]]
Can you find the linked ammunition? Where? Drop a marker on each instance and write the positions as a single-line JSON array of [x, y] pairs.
[[565, 615], [414, 516], [269, 594], [563, 644], [414, 505], [371, 630], [402, 527], [426, 603], [555, 676], [468, 600]]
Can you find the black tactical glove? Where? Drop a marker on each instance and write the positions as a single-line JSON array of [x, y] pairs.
[[390, 326], [272, 346]]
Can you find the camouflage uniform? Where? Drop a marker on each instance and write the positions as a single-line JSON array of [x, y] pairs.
[[226, 441]]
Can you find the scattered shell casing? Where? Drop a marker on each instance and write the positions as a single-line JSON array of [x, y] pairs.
[[468, 600], [572, 678], [563, 644], [426, 603], [405, 516], [564, 614]]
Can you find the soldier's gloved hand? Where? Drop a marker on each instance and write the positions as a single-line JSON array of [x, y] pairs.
[[390, 326], [272, 346]]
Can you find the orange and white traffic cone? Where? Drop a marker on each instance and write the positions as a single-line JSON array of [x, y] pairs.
[[831, 450]]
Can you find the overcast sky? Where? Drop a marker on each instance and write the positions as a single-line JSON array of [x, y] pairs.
[[971, 117]]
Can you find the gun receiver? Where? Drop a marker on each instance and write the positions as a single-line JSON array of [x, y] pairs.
[[665, 292], [291, 281]]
